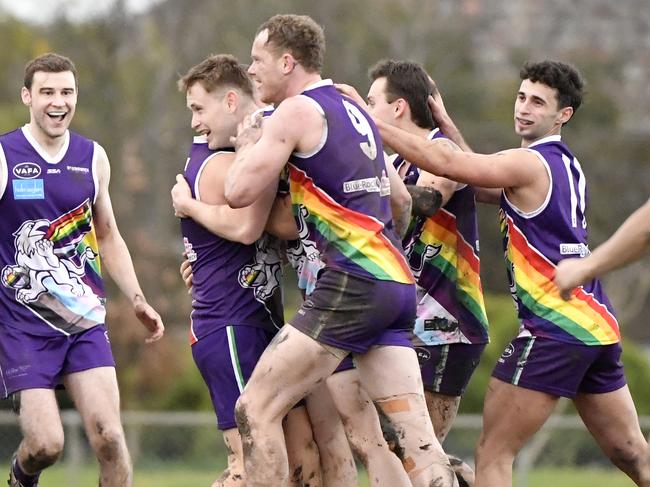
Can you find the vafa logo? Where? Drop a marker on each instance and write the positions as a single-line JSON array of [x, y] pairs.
[[27, 170]]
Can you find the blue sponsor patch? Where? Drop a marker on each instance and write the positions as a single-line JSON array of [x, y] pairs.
[[28, 189]]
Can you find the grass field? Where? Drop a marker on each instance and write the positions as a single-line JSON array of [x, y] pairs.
[[181, 476]]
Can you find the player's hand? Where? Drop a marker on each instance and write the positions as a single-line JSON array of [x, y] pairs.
[[186, 274], [352, 93], [569, 274], [249, 131], [437, 108], [181, 194], [150, 318]]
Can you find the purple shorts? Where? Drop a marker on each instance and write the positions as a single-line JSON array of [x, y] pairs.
[[561, 369], [446, 369], [38, 362], [226, 359], [354, 313]]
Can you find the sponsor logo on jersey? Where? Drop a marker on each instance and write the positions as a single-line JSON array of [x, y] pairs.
[[574, 249], [28, 189], [54, 171], [78, 169], [27, 170], [369, 185]]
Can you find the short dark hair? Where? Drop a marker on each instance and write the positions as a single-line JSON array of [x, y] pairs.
[[300, 35], [408, 80], [563, 77], [48, 63], [217, 71]]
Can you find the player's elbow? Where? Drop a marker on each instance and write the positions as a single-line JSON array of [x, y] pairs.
[[237, 196], [249, 236]]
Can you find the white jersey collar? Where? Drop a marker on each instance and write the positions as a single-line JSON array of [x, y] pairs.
[[319, 84], [544, 140], [41, 151]]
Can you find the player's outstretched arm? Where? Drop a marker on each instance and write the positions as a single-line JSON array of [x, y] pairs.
[[629, 242], [115, 255], [441, 157]]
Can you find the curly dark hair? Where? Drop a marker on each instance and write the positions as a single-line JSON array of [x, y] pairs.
[[408, 80], [298, 34], [563, 77]]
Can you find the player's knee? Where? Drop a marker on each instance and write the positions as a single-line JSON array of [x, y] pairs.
[[243, 416], [108, 443], [43, 452], [629, 457]]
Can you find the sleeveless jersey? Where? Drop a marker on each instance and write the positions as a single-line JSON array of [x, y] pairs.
[[535, 242], [443, 252], [51, 269], [340, 192], [233, 283]]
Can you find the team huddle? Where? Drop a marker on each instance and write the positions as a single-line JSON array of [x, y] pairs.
[[290, 167]]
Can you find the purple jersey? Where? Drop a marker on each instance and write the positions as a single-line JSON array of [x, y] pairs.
[[233, 283], [51, 271], [536, 241], [443, 253], [340, 192]]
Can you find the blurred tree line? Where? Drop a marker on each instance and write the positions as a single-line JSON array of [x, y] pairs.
[[128, 66]]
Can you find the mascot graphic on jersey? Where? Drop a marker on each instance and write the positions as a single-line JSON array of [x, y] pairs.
[[264, 277], [52, 260]]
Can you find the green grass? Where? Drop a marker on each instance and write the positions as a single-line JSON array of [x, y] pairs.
[[181, 476], [575, 477]]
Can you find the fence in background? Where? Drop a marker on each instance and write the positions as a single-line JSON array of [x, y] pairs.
[[191, 439]]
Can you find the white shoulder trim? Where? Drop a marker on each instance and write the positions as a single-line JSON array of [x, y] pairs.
[[96, 150], [319, 84], [4, 172], [431, 134], [41, 151], [534, 213], [197, 191], [544, 140], [323, 137]]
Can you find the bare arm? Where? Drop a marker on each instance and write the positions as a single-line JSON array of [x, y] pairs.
[[441, 157], [400, 200], [281, 222], [243, 225], [295, 125], [628, 243], [115, 254]]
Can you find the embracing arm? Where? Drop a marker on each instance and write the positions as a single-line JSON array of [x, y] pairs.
[[628, 243], [295, 125], [115, 254], [281, 222], [244, 225]]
